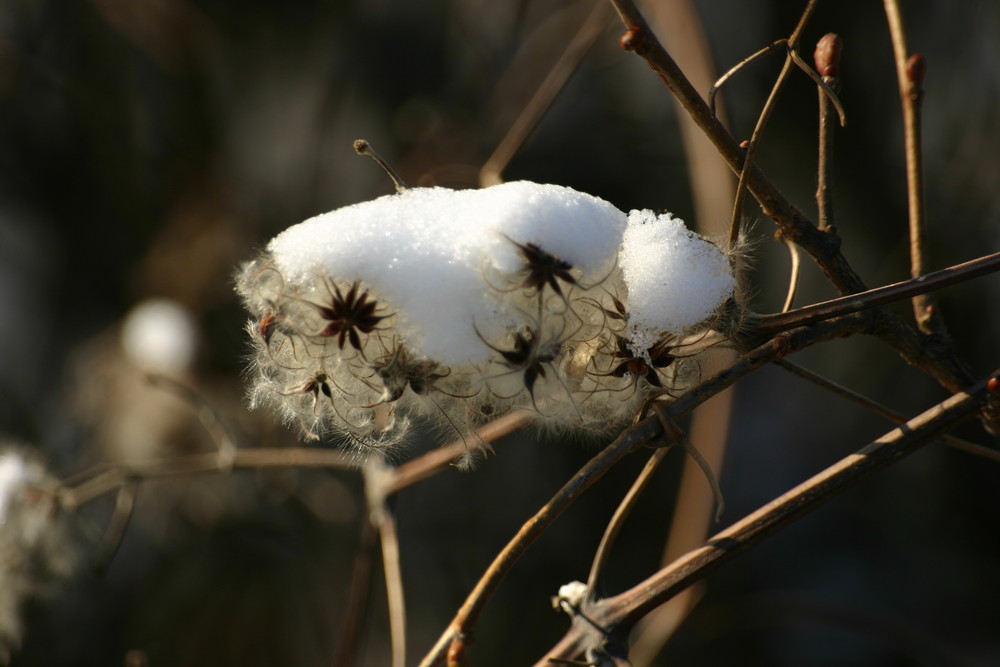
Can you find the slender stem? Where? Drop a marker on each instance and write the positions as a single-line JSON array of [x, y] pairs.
[[793, 277], [461, 625], [436, 460], [879, 409], [827, 57], [492, 170], [106, 479], [615, 616], [120, 517], [765, 115], [357, 598], [910, 96], [209, 416], [389, 538], [621, 513], [767, 50], [634, 437], [770, 324], [631, 605]]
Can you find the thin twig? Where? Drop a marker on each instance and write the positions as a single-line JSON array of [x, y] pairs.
[[491, 172], [106, 479], [615, 616], [207, 414], [879, 409], [389, 538], [909, 72], [827, 56], [790, 220], [357, 597], [793, 275], [628, 441], [436, 460], [767, 325], [826, 89], [120, 517], [765, 115], [721, 81], [621, 513]]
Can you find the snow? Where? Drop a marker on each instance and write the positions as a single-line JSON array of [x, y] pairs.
[[675, 278], [424, 252]]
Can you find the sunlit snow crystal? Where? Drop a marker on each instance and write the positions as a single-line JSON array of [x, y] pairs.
[[675, 278], [424, 251]]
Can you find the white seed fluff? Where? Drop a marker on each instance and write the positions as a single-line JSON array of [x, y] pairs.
[[675, 278]]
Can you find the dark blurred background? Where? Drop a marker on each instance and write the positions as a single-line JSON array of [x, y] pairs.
[[147, 148]]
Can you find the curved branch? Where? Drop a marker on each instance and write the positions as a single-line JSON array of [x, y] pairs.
[[615, 616], [634, 437], [937, 359]]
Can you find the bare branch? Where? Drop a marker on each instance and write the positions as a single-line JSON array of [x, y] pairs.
[[615, 616], [491, 172], [631, 439], [770, 324], [910, 74], [621, 513]]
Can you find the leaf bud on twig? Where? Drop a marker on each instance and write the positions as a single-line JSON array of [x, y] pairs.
[[827, 54]]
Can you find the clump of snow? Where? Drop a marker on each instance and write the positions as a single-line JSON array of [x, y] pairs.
[[675, 278], [459, 305], [424, 251], [159, 335]]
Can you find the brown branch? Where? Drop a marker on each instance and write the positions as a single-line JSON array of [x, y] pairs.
[[827, 58], [910, 75], [441, 458], [792, 222], [621, 513], [357, 598], [610, 619], [631, 439], [765, 115], [938, 360], [108, 478], [767, 325], [879, 409], [389, 538], [492, 170]]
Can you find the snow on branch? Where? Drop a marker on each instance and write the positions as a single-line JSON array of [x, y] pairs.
[[459, 305]]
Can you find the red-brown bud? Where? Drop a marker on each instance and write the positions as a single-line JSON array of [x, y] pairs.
[[916, 68], [827, 54], [993, 385]]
